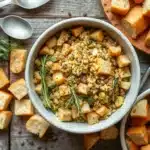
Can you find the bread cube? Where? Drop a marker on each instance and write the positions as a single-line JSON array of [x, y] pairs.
[[85, 108], [102, 111], [74, 112], [125, 85], [52, 42], [66, 49], [37, 125], [18, 60], [110, 133], [56, 67], [147, 39], [77, 31], [82, 88], [46, 51], [64, 90], [64, 36], [146, 147], [138, 135], [5, 118], [103, 67], [3, 79], [38, 88], [119, 101], [37, 77], [58, 78], [131, 145], [124, 72], [123, 61], [64, 114], [138, 121], [115, 50], [140, 109], [5, 99], [92, 118], [97, 36], [23, 108], [18, 89], [90, 140]]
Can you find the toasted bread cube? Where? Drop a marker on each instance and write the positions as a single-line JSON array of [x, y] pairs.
[[56, 67], [37, 125], [5, 99], [64, 90], [52, 42], [90, 140], [18, 89], [140, 109], [82, 88], [138, 121], [46, 51], [85, 108], [64, 36], [115, 50], [110, 133], [138, 135], [23, 108], [64, 114], [58, 78], [5, 118], [74, 112], [18, 60], [119, 101], [124, 72], [77, 31], [103, 67], [3, 79], [66, 49], [38, 88], [97, 36], [102, 111], [147, 147], [123, 61], [125, 85], [131, 145], [37, 76], [92, 118]]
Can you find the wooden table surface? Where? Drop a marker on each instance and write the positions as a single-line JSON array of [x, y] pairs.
[[16, 137]]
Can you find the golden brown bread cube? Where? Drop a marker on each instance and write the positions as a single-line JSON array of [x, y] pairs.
[[115, 50], [5, 118], [77, 31], [3, 79], [82, 88], [46, 51], [52, 42], [92, 118], [102, 111], [58, 78], [146, 147], [85, 108], [123, 61], [131, 145], [5, 99], [37, 125], [64, 114], [18, 60], [38, 88], [23, 108], [64, 36], [97, 36], [18, 88]]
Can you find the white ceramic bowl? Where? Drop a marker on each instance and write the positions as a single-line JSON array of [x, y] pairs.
[[124, 121], [82, 128]]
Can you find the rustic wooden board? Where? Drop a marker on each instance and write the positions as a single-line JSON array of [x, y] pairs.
[[116, 21]]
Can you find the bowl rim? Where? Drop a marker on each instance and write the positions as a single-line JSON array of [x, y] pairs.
[[124, 121], [30, 91]]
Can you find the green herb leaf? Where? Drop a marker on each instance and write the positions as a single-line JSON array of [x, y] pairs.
[[90, 100]]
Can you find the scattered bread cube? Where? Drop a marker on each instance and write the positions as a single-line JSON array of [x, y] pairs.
[[74, 112], [131, 145], [115, 50], [23, 108], [77, 31], [146, 147], [124, 72], [3, 79], [56, 67], [125, 85], [123, 61], [64, 36], [119, 101], [37, 77], [85, 108], [38, 88], [64, 114], [134, 22], [138, 135], [66, 49], [82, 88], [146, 8], [37, 125], [46, 51], [92, 118], [97, 36], [110, 133], [147, 39], [120, 7], [5, 99], [52, 42], [58, 78], [18, 89], [90, 140], [18, 60], [102, 111], [5, 118], [64, 90]]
